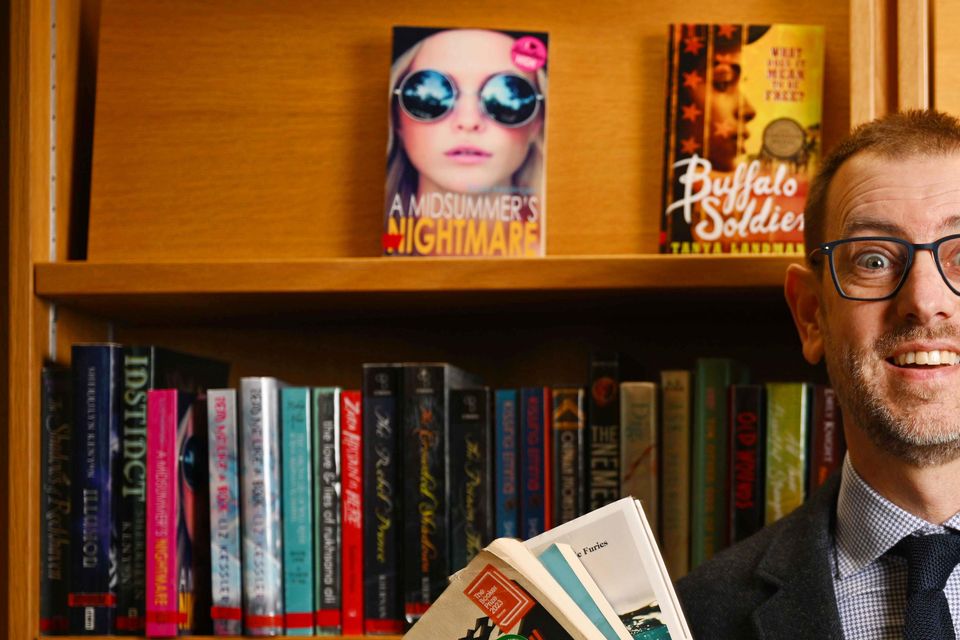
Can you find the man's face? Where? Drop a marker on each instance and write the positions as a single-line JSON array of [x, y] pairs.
[[909, 410]]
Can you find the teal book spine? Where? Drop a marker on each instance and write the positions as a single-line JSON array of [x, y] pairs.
[[297, 510], [556, 565]]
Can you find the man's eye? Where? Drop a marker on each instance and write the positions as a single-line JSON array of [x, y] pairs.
[[873, 261]]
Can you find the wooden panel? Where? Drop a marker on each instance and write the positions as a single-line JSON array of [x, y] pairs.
[[913, 47], [946, 55], [250, 129], [873, 66], [29, 202]]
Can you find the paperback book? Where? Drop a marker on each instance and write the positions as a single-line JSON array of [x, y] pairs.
[[742, 138], [467, 146], [326, 508]]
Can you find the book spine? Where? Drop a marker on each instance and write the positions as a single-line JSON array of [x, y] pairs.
[[747, 454], [351, 448], [56, 464], [260, 511], [676, 400], [506, 469], [827, 444], [297, 510], [786, 450], [96, 384], [533, 517], [569, 424], [639, 445], [425, 487], [162, 612], [193, 530], [604, 430], [471, 477], [383, 535], [226, 610], [710, 519], [326, 509], [131, 561]]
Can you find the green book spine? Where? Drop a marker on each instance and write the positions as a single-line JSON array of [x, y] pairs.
[[787, 409], [709, 517], [677, 403]]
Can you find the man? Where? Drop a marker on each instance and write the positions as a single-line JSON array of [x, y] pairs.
[[879, 301]]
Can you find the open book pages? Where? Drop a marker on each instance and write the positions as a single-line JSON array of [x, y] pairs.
[[563, 564], [504, 590], [617, 547]]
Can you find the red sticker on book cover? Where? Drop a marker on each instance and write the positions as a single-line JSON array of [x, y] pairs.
[[499, 597]]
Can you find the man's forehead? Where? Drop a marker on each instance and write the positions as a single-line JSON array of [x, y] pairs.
[[875, 191]]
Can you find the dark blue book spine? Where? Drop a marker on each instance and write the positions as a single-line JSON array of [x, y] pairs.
[[96, 384], [382, 531], [533, 508], [471, 475], [57, 468], [507, 465]]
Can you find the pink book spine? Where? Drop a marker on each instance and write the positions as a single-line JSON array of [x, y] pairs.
[[161, 606], [351, 446]]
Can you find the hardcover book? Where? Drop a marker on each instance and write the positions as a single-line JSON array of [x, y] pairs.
[[326, 508], [263, 603], [426, 480], [505, 592], [640, 443], [382, 490], [507, 465], [616, 546], [569, 453], [226, 609], [297, 509], [677, 419], [467, 144], [96, 371], [145, 368], [351, 552], [743, 142], [471, 474], [747, 459], [56, 460]]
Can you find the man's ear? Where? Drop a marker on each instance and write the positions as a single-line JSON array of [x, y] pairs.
[[802, 290]]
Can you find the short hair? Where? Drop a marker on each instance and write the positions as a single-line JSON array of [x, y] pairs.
[[918, 132]]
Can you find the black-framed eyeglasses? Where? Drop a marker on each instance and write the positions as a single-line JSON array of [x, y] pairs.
[[429, 95], [875, 267]]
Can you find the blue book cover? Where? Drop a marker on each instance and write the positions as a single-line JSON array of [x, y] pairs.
[[534, 508], [558, 566], [96, 385], [507, 508], [297, 508]]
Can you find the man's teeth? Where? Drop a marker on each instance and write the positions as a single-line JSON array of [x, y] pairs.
[[927, 357]]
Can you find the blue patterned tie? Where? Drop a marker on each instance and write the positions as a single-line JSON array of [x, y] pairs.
[[930, 561]]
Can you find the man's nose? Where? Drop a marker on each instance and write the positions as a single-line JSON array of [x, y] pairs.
[[925, 296]]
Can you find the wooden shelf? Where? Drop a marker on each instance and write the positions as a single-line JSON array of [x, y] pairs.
[[162, 292]]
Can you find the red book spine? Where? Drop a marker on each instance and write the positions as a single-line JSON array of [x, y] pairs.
[[351, 445], [547, 413], [827, 447]]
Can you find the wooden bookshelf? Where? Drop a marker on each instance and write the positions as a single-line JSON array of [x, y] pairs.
[[317, 317]]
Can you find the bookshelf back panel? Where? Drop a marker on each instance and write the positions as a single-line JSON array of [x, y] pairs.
[[258, 130], [945, 51]]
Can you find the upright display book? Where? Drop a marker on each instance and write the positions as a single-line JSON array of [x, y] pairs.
[[742, 137], [618, 550], [505, 592], [467, 143]]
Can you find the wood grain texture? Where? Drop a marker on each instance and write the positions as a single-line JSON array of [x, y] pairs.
[[241, 129], [29, 202], [913, 47], [946, 55], [873, 86]]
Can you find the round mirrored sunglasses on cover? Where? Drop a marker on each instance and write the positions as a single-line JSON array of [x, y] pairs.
[[506, 98]]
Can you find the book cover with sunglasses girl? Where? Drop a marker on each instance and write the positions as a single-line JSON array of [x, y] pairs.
[[743, 120], [467, 146]]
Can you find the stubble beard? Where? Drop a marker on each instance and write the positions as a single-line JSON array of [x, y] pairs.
[[898, 425]]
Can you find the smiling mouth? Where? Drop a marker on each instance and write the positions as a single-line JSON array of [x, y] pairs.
[[921, 359]]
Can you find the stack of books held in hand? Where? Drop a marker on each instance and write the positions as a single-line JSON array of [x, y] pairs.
[[598, 577]]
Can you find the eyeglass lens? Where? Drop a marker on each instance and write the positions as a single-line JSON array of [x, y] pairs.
[[429, 95], [873, 269]]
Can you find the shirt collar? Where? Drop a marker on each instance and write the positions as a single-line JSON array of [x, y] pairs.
[[868, 524]]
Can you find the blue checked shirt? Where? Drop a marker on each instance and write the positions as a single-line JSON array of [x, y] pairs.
[[871, 584]]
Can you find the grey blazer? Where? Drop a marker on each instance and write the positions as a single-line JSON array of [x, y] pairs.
[[776, 584]]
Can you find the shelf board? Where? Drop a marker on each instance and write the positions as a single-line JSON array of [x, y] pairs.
[[160, 292]]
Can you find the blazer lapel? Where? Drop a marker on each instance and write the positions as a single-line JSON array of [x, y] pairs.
[[797, 565]]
